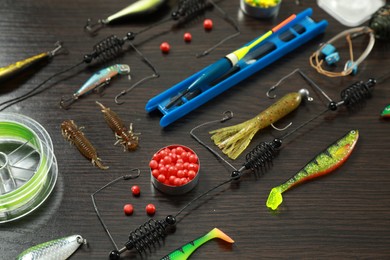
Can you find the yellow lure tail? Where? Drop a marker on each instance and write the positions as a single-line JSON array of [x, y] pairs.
[[274, 198]]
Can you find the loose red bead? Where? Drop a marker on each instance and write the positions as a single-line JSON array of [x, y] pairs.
[[128, 209], [187, 37], [208, 24], [165, 47], [136, 190], [150, 209]]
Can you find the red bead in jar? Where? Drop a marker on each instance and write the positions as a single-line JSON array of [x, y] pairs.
[[174, 169]]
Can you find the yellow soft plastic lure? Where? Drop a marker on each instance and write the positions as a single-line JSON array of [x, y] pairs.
[[19, 66], [325, 162], [233, 140]]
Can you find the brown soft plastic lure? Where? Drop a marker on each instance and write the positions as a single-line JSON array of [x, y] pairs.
[[124, 136], [73, 134]]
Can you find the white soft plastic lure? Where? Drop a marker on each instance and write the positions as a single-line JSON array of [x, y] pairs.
[[57, 249]]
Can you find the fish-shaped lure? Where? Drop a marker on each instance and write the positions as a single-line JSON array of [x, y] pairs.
[[96, 82], [19, 66], [185, 251], [325, 162], [233, 140], [135, 10], [57, 249]]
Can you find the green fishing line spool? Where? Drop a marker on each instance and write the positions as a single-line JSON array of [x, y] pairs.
[[28, 166]]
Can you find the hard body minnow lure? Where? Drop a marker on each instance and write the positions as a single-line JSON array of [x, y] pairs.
[[325, 162], [136, 9], [57, 249], [233, 140], [185, 251], [19, 66], [98, 80], [386, 112], [73, 134], [124, 136]]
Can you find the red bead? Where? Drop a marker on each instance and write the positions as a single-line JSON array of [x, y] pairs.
[[136, 190], [165, 47], [191, 175], [161, 178], [150, 209], [208, 24], [193, 158], [187, 37], [128, 209], [153, 164]]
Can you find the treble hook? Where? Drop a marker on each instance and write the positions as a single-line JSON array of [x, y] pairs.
[[93, 28]]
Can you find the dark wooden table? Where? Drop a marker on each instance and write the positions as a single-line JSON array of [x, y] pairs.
[[343, 215]]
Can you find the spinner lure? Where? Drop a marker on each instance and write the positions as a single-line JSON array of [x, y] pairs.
[[325, 162]]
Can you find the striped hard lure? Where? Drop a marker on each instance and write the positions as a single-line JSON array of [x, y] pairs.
[[325, 162], [58, 249]]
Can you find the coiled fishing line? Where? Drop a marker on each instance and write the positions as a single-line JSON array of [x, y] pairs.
[[28, 166]]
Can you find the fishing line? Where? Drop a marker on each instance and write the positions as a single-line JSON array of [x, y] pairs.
[[28, 166]]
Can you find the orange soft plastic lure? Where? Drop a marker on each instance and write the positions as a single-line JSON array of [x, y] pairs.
[[325, 162]]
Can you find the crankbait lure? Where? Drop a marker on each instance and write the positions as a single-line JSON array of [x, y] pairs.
[[19, 66], [137, 9], [185, 251], [58, 249], [233, 140], [325, 162], [74, 135], [98, 80], [127, 138], [380, 23]]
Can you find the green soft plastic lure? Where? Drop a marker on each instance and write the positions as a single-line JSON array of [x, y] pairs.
[[185, 251], [386, 112], [325, 162]]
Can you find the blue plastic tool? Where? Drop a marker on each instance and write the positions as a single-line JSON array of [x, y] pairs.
[[211, 81]]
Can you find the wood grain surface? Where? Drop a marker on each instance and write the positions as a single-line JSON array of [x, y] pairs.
[[344, 215]]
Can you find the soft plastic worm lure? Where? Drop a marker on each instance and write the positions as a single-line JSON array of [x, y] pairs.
[[137, 9], [124, 136], [185, 251], [325, 162], [74, 135], [59, 249], [233, 140], [19, 66], [98, 80]]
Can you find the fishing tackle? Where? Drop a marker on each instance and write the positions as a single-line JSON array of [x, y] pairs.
[[127, 138], [186, 250], [105, 50], [98, 80], [351, 65], [233, 140], [75, 136], [325, 162], [226, 72], [137, 9], [261, 157], [19, 66], [59, 249], [380, 23], [386, 112]]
